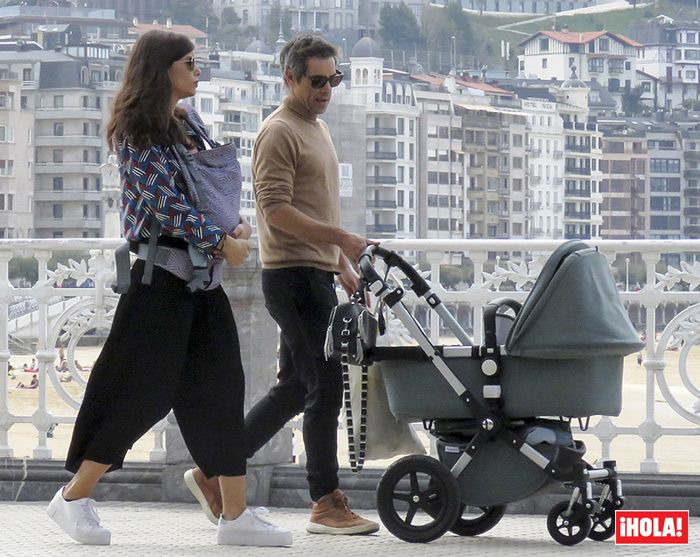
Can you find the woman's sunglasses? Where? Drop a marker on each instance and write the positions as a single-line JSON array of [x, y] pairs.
[[189, 63], [319, 81]]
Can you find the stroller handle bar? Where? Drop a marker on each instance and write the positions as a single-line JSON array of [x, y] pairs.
[[419, 285], [392, 259]]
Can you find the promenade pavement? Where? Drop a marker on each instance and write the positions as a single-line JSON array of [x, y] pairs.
[[159, 529]]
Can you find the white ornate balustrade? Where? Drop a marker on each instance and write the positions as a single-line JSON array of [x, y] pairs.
[[667, 302]]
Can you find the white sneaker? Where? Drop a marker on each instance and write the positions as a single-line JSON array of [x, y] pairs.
[[250, 529], [78, 519]]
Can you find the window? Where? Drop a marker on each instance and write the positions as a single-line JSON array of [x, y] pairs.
[[690, 74], [400, 126], [58, 211], [58, 183], [85, 211], [58, 101], [6, 100], [596, 65], [207, 106], [6, 134], [58, 155], [10, 204], [544, 63], [6, 167], [544, 45], [604, 45], [58, 128]]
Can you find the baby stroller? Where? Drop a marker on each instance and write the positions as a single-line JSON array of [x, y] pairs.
[[501, 412]]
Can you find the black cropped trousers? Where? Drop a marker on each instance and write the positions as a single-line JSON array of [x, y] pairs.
[[167, 349]]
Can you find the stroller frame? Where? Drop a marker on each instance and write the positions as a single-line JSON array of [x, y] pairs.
[[568, 522]]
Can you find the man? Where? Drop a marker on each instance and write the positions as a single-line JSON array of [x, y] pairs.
[[296, 183]]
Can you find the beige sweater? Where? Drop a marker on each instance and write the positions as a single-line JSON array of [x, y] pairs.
[[294, 162]]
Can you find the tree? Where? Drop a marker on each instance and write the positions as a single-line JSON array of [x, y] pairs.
[[272, 29], [398, 27], [631, 101], [198, 13], [440, 25]]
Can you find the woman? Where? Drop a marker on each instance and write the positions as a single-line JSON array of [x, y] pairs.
[[168, 347]]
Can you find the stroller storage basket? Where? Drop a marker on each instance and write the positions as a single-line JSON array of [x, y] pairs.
[[530, 387]]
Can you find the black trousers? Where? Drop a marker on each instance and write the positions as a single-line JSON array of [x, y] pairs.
[[167, 348], [300, 300]]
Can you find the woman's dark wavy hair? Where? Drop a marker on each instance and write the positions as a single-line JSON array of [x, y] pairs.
[[141, 112]]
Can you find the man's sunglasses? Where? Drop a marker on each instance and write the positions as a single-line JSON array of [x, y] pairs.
[[319, 81], [190, 63]]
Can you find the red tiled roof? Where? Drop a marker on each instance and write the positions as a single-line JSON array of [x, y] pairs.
[[576, 37], [187, 30]]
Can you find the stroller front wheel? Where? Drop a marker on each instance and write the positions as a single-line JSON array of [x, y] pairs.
[[568, 527], [418, 499]]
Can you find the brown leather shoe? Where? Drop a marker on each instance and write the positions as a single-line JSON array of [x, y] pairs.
[[331, 515], [207, 493]]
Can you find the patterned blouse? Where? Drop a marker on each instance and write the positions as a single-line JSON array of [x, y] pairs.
[[148, 178]]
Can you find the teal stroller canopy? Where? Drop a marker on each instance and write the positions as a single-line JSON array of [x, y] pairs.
[[573, 311]]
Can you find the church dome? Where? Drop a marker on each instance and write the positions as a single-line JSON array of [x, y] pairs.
[[366, 47], [573, 82]]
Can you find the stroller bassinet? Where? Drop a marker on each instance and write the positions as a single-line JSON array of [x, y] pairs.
[[491, 406]]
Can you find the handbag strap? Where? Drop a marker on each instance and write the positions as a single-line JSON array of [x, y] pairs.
[[356, 450]]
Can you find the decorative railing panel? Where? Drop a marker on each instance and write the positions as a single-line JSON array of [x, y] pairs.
[[66, 302]]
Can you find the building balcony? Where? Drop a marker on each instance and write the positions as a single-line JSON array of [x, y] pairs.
[[580, 171], [578, 215], [691, 173], [68, 223], [504, 170], [536, 206], [578, 148], [557, 181], [381, 180], [691, 155], [535, 180], [68, 113], [691, 192], [584, 193], [556, 207], [557, 154], [67, 195], [381, 156], [381, 204], [68, 141], [66, 168], [381, 228], [387, 132], [234, 127], [691, 211]]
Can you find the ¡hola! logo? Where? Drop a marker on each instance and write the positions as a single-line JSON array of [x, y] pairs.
[[651, 527]]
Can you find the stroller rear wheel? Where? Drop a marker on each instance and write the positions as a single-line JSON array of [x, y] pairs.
[[418, 499], [568, 527], [475, 524]]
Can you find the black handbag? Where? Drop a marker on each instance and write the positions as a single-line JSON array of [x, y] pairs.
[[352, 331]]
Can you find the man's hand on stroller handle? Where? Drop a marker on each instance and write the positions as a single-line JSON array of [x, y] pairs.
[[352, 245]]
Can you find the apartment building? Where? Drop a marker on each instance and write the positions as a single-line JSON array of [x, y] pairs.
[[545, 148], [668, 63], [690, 145], [16, 157], [666, 166], [64, 101], [624, 183], [582, 154]]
